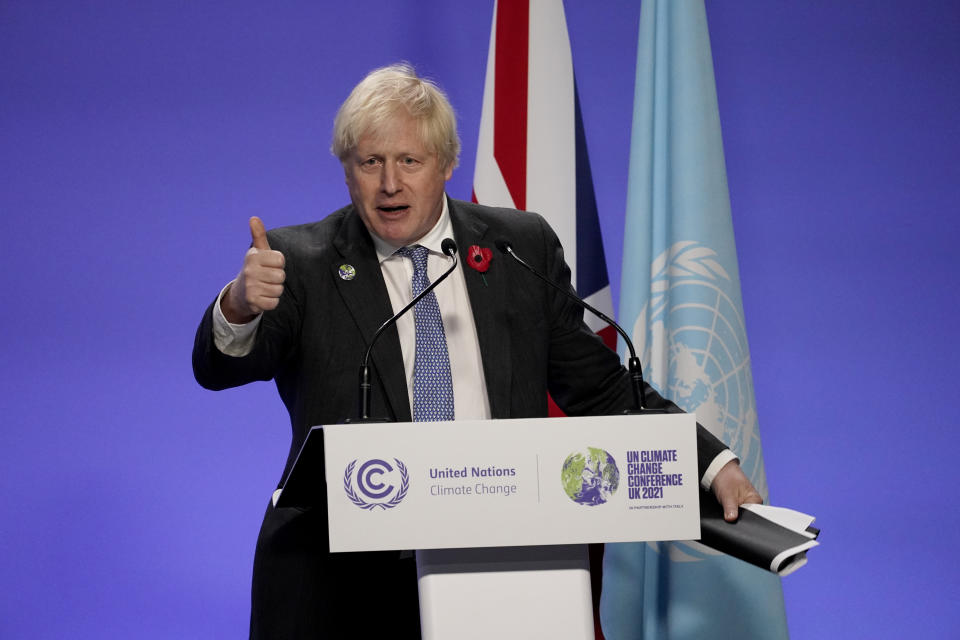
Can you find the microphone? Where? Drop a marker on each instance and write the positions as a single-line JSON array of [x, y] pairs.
[[449, 248], [633, 363]]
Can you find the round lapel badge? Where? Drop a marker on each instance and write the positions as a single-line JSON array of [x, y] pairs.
[[347, 272]]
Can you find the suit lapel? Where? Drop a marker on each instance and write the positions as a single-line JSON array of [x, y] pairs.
[[488, 299], [367, 301]]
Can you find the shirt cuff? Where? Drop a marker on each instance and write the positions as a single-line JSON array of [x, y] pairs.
[[233, 339], [718, 463]]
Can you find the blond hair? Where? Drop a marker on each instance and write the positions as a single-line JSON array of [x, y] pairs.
[[381, 95]]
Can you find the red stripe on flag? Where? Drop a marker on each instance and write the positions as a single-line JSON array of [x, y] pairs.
[[609, 337], [510, 96]]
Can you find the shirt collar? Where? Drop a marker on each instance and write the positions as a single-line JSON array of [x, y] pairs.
[[431, 240]]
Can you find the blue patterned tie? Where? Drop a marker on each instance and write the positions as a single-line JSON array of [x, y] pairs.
[[432, 384]]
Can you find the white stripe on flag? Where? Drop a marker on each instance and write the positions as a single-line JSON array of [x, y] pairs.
[[551, 142]]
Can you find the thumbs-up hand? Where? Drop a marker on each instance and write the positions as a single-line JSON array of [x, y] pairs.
[[259, 234], [259, 284]]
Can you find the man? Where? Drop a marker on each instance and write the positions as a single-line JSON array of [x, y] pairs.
[[310, 297]]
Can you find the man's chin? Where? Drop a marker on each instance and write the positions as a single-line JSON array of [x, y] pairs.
[[394, 235]]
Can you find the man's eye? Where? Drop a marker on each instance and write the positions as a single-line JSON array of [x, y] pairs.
[[409, 162]]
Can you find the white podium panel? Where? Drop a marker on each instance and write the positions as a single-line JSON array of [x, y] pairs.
[[496, 483], [500, 510], [534, 593]]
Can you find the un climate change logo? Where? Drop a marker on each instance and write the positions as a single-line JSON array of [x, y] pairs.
[[590, 477], [373, 479]]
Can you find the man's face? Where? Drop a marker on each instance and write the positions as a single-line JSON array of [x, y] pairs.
[[395, 183]]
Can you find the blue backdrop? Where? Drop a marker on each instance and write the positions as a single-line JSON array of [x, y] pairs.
[[137, 138]]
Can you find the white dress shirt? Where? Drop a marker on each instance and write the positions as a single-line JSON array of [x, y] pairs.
[[470, 401]]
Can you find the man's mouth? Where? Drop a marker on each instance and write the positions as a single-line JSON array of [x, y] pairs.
[[394, 209]]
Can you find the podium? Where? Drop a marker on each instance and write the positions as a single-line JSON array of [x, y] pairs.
[[500, 511]]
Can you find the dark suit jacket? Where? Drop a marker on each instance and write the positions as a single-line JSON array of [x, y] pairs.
[[532, 340]]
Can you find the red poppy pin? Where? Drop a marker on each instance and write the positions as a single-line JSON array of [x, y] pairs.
[[479, 259]]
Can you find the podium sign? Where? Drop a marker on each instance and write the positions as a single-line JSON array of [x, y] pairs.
[[497, 483]]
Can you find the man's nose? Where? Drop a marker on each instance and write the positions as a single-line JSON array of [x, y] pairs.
[[389, 183]]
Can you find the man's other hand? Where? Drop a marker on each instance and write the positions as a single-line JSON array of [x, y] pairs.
[[259, 284], [733, 488]]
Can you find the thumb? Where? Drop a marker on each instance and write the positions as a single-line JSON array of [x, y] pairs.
[[731, 510], [258, 233]]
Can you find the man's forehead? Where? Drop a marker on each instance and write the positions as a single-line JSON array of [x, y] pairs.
[[394, 137]]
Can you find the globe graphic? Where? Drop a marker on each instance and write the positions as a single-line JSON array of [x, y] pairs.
[[590, 477]]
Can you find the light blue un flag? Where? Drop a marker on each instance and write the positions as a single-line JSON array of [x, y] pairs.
[[680, 298]]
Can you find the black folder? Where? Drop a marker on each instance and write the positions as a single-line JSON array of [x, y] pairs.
[[754, 538]]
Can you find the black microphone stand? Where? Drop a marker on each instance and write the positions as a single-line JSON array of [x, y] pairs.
[[634, 368]]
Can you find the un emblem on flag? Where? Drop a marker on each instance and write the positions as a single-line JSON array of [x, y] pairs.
[[693, 342]]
